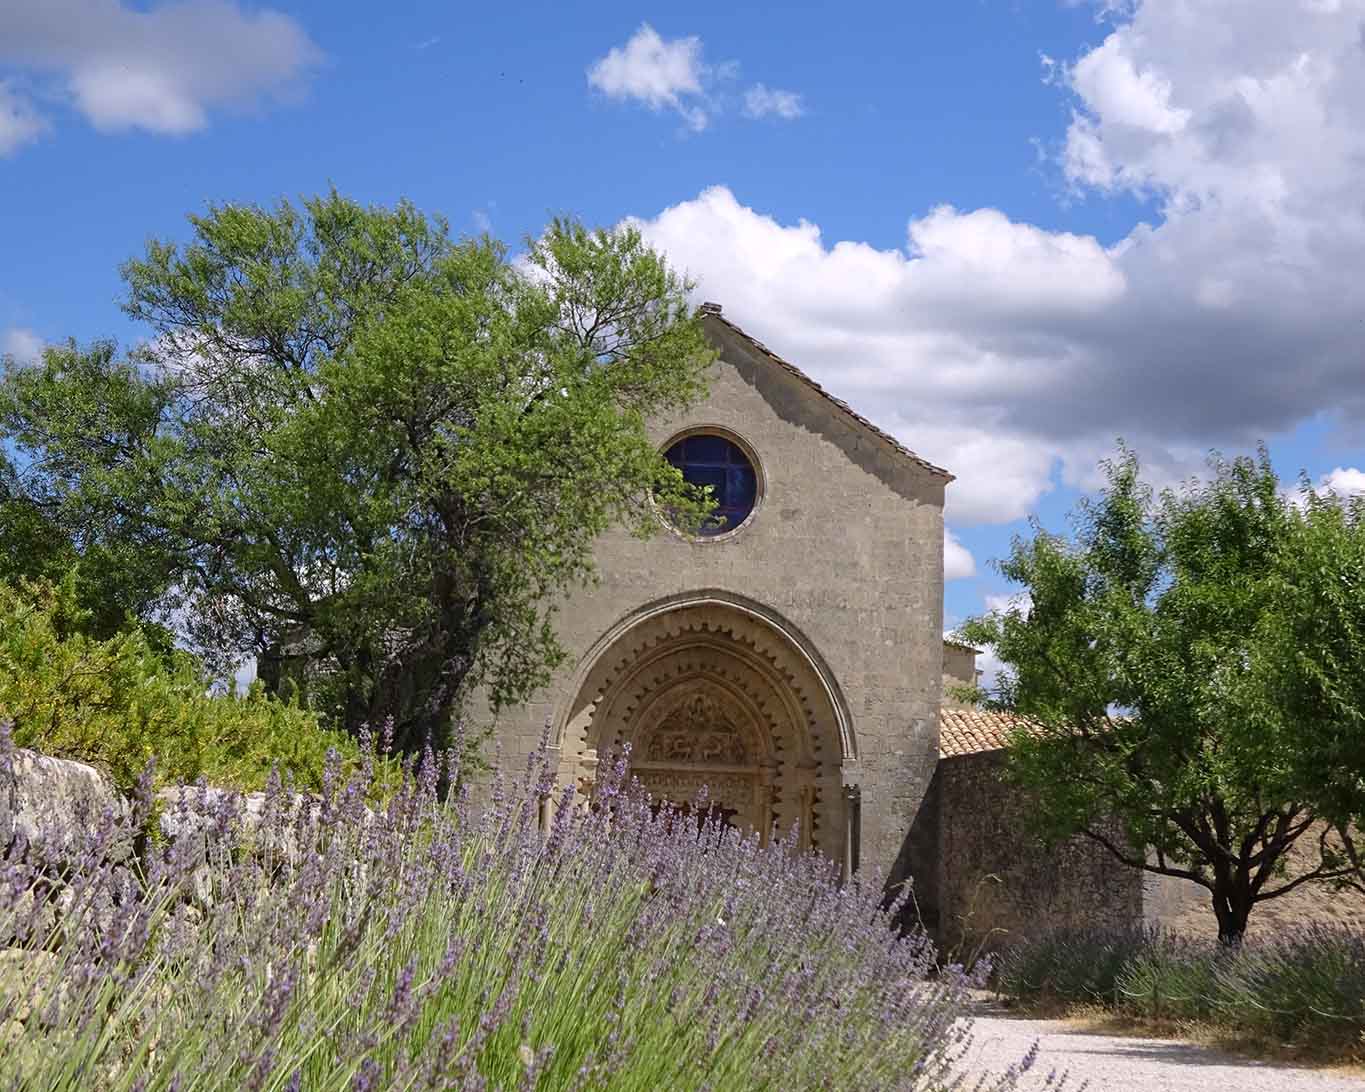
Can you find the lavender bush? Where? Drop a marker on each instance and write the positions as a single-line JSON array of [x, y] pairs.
[[1073, 964], [1172, 976], [1307, 986], [421, 946], [1304, 987]]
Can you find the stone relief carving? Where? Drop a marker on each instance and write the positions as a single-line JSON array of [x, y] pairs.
[[733, 790], [698, 732], [705, 696]]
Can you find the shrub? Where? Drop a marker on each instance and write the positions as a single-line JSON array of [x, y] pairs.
[[1170, 976], [1307, 986], [117, 703], [1302, 988], [424, 947], [1071, 964]]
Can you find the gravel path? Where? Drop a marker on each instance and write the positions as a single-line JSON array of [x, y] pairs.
[[1120, 1064]]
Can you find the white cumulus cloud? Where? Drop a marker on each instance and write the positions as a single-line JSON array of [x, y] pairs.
[[162, 68], [1009, 602], [761, 101], [23, 345], [990, 668], [958, 563], [1110, 82], [661, 74], [1015, 355], [1344, 481], [671, 74]]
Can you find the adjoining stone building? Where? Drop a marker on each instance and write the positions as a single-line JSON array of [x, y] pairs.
[[791, 659]]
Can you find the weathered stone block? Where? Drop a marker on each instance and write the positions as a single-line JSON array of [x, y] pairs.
[[201, 813], [55, 803]]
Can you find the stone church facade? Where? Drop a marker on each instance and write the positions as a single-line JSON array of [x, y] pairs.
[[791, 659]]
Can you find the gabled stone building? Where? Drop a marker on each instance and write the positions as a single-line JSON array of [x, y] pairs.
[[791, 656]]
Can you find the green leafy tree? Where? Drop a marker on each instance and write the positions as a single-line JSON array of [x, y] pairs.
[[1177, 698], [115, 588], [1311, 659], [360, 447]]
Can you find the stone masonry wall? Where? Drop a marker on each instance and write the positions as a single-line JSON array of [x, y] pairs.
[[959, 669], [994, 879], [846, 547], [1183, 907]]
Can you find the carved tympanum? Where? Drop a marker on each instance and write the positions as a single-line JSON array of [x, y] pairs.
[[697, 732]]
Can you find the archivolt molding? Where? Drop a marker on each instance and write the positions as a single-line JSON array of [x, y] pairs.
[[724, 619], [777, 725]]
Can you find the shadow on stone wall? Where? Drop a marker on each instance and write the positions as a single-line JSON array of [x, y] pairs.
[[983, 880]]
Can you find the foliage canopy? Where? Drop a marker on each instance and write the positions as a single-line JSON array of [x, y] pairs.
[[363, 452], [119, 703], [1188, 671]]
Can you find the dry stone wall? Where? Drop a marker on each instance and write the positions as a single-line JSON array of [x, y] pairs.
[[42, 798], [1183, 907], [993, 881], [978, 873], [54, 812]]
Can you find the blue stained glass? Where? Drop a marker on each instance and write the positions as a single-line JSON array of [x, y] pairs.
[[708, 449], [709, 460], [741, 489], [714, 476]]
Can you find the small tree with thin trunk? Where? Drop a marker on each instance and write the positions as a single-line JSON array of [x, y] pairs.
[[1156, 714]]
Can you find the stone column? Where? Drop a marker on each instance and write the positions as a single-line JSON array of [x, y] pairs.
[[763, 801], [853, 822], [587, 781]]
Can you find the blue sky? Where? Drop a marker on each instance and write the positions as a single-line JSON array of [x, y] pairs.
[[1007, 231]]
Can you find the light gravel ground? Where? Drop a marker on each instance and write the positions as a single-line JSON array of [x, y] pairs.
[[1120, 1064]]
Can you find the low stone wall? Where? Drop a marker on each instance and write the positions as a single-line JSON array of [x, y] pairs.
[[59, 817], [995, 883], [42, 800], [979, 874], [1183, 907]]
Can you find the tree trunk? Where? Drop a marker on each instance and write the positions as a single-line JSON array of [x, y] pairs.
[[416, 692], [1232, 905]]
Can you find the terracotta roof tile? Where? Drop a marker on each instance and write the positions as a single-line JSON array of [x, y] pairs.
[[712, 310], [972, 731]]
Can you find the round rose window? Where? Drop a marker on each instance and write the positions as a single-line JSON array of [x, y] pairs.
[[707, 459]]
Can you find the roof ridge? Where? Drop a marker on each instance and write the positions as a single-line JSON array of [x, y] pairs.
[[713, 310]]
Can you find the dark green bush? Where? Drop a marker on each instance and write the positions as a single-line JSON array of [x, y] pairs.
[[1307, 986], [119, 702], [1072, 964]]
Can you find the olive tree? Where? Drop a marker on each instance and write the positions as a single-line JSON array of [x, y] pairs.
[[354, 444]]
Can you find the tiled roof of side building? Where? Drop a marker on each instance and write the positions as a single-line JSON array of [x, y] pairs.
[[973, 731], [713, 310]]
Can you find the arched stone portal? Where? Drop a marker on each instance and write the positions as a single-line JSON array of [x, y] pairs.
[[718, 693]]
